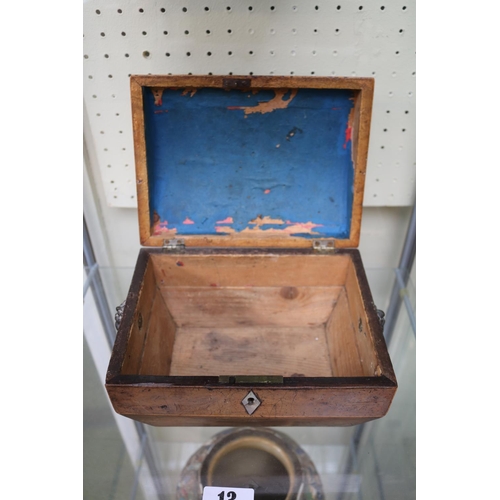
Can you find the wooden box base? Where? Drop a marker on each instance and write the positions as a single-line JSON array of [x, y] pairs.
[[203, 328]]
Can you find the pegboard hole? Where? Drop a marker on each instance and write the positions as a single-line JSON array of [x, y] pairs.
[[360, 7], [207, 9], [272, 52], [141, 11], [382, 8], [406, 112], [410, 94], [312, 72], [401, 31], [146, 54], [251, 73], [186, 32], [388, 111], [119, 11], [228, 9], [293, 53], [85, 56], [291, 72], [272, 31], [404, 7], [403, 130], [385, 130], [229, 31], [208, 32], [335, 52], [98, 12], [397, 52], [184, 9], [162, 10], [103, 34], [98, 114], [315, 30], [144, 33], [90, 77], [165, 32], [123, 33], [94, 97], [209, 53], [273, 7], [313, 52], [106, 56], [229, 53], [338, 7], [250, 8], [188, 53], [167, 54], [127, 55], [251, 52], [337, 31]]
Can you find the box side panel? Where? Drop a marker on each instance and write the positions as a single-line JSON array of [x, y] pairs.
[[371, 344], [341, 338], [238, 268]]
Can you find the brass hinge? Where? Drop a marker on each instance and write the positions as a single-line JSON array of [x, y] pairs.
[[175, 244], [324, 245], [250, 379]]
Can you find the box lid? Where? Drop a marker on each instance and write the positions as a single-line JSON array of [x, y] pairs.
[[250, 161]]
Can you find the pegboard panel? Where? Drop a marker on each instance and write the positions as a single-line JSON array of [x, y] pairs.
[[265, 37]]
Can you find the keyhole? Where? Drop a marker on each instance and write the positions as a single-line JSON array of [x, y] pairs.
[[250, 401]]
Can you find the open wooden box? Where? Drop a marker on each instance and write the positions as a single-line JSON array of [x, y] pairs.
[[254, 308]]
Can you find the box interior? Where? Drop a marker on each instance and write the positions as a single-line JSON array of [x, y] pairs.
[[289, 315]]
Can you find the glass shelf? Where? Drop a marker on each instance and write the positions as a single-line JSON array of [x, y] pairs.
[[123, 459]]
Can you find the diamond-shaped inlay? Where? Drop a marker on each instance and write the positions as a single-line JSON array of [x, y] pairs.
[[251, 402]]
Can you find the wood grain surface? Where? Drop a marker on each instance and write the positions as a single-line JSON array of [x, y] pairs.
[[218, 307], [240, 270], [288, 351]]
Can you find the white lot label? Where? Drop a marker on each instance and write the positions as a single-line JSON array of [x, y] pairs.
[[221, 493]]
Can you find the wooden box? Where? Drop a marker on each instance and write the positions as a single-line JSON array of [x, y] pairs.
[[249, 304]]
